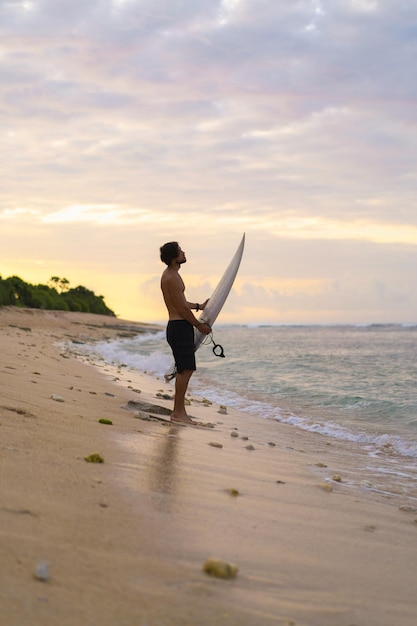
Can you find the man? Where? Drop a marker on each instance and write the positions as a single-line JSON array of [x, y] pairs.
[[180, 328]]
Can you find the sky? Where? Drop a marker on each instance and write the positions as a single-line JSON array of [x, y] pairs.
[[129, 123]]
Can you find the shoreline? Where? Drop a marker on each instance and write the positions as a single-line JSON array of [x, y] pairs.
[[370, 425], [126, 540], [376, 466]]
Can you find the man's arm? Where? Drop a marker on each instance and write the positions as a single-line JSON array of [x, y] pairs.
[[175, 292]]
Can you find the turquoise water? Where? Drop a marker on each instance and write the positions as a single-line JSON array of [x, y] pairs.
[[357, 383]]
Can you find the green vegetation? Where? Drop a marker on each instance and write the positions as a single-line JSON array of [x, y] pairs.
[[56, 295], [95, 457]]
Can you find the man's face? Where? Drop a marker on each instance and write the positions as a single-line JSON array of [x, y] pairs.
[[181, 256]]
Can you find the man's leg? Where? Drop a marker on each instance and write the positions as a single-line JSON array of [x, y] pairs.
[[179, 413]]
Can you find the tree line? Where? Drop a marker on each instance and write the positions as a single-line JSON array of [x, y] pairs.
[[56, 295]]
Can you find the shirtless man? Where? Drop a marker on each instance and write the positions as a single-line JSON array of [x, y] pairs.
[[180, 331]]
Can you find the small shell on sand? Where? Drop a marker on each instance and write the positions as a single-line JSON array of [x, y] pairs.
[[42, 572], [220, 569], [321, 464], [57, 398], [103, 420], [234, 434], [250, 447], [215, 444], [222, 410], [337, 478], [233, 492]]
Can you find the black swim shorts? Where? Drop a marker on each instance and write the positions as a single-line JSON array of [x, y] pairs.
[[180, 336]]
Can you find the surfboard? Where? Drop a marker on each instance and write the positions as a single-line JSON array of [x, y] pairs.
[[219, 296], [217, 299]]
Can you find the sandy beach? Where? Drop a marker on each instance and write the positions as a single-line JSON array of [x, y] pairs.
[[124, 542]]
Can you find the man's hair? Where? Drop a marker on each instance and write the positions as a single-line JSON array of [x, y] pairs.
[[169, 252]]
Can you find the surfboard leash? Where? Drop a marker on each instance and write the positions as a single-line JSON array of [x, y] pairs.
[[217, 348]]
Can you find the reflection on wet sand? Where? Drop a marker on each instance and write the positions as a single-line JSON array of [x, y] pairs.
[[163, 474]]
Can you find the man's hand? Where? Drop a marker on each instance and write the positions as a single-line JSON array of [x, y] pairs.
[[204, 328]]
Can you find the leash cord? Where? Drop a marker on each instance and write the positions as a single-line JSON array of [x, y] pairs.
[[217, 348]]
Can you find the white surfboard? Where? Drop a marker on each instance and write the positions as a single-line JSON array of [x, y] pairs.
[[215, 304], [217, 300]]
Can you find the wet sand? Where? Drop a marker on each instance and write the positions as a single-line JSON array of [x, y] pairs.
[[124, 542]]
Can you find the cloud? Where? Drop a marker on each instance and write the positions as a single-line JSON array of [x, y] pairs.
[[131, 122]]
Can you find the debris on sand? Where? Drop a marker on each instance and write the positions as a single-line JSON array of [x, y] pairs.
[[95, 457], [57, 398], [220, 569], [42, 572], [325, 486]]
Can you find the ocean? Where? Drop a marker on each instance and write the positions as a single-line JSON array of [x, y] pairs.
[[354, 383]]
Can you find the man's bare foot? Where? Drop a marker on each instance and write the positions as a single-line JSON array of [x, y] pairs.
[[182, 419]]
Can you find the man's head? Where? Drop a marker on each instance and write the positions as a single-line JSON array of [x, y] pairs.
[[171, 251]]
